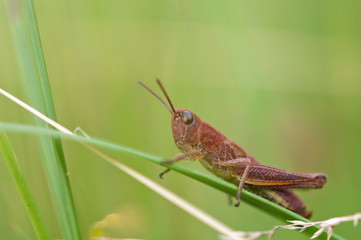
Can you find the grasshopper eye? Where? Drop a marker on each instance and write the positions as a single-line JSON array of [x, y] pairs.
[[187, 118]]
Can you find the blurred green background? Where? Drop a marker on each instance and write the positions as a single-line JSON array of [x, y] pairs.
[[281, 78]]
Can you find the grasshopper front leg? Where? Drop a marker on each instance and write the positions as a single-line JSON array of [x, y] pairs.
[[181, 156], [236, 162]]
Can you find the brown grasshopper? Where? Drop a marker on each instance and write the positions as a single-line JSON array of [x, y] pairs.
[[197, 139]]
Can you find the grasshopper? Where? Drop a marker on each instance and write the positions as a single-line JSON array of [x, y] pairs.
[[196, 139]]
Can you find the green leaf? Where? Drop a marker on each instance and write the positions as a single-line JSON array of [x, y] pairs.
[[217, 183]]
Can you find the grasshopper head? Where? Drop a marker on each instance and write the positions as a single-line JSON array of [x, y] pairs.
[[185, 124], [185, 127]]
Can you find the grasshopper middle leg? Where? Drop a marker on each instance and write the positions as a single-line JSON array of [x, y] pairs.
[[234, 162]]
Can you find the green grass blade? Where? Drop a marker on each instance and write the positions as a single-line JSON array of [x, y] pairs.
[[217, 183], [39, 57], [22, 186], [34, 75]]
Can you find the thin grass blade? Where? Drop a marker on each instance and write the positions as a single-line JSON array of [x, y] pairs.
[[23, 189]]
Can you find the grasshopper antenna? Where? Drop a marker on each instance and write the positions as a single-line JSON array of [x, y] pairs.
[[171, 110], [166, 95]]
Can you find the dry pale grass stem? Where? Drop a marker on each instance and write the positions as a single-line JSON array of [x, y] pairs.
[[186, 206], [328, 225]]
